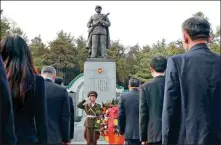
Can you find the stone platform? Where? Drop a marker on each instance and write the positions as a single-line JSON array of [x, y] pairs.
[[79, 134]]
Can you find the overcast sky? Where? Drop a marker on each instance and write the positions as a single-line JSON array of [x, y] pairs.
[[142, 22]]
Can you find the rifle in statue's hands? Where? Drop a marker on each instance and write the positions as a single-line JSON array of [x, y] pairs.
[[97, 22]]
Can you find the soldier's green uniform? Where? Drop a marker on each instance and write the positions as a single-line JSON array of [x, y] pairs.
[[90, 133]]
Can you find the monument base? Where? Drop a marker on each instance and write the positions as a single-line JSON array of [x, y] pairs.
[[100, 76]]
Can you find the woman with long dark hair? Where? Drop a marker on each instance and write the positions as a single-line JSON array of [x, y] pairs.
[[27, 90]]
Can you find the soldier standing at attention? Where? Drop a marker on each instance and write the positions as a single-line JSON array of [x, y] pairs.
[[92, 109], [98, 36]]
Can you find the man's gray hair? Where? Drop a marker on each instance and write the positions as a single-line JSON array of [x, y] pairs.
[[48, 69]]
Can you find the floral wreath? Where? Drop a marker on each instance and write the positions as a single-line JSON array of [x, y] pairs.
[[108, 119]]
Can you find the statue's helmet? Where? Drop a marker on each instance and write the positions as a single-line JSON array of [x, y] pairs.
[[98, 7]]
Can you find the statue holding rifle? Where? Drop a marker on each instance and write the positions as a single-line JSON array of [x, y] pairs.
[[98, 34]]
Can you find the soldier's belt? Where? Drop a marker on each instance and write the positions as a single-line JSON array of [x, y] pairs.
[[91, 116]]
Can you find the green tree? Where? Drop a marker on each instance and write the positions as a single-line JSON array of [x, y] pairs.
[[38, 50], [160, 48], [117, 53], [131, 59], [200, 14], [37, 47], [14, 29], [81, 53], [5, 25], [10, 27], [173, 49], [62, 51], [215, 42]]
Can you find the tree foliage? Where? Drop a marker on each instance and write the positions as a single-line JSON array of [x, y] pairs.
[[11, 27], [62, 51], [68, 54], [5, 26]]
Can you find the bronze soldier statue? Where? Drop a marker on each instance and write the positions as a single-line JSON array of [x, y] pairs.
[[92, 110], [98, 34]]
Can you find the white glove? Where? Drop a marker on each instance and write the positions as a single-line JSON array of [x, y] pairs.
[[88, 99]]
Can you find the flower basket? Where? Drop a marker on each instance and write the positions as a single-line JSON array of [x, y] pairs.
[[113, 138], [107, 123]]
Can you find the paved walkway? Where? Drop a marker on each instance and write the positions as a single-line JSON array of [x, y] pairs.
[[84, 142], [79, 135]]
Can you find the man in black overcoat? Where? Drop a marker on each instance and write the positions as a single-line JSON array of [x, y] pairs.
[[191, 110], [128, 115], [151, 103], [58, 107]]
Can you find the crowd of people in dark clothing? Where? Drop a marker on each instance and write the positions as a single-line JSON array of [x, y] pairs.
[[181, 105], [34, 109]]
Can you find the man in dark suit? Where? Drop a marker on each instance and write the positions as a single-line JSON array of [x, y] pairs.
[[58, 107], [59, 81], [128, 117], [151, 103], [191, 110], [7, 129]]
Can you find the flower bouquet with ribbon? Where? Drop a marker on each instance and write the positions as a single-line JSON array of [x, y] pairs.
[[107, 123]]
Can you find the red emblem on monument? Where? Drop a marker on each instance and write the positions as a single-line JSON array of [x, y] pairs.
[[100, 70]]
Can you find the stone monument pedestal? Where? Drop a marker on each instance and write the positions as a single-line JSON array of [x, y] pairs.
[[100, 76]]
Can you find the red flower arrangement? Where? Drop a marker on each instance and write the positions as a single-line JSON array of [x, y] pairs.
[[107, 123]]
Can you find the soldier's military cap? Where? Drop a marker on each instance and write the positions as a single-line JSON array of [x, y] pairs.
[[92, 93]]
